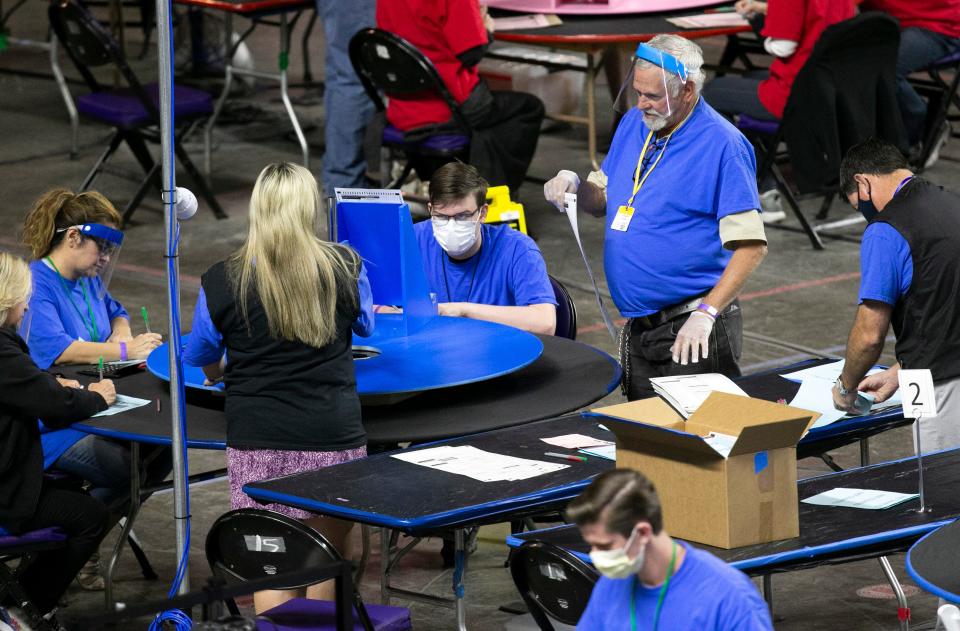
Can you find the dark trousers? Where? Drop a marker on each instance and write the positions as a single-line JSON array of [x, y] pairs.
[[647, 351], [506, 128], [918, 49], [84, 520]]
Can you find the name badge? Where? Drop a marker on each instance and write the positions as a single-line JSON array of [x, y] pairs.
[[622, 221]]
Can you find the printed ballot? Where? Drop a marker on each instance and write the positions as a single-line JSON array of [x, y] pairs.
[[122, 404], [575, 441], [478, 464], [687, 392], [860, 498]]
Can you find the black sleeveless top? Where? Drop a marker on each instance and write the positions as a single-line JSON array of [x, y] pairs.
[[284, 394]]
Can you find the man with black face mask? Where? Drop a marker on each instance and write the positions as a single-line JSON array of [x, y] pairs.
[[910, 277]]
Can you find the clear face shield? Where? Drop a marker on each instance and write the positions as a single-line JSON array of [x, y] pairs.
[[101, 249], [647, 86]]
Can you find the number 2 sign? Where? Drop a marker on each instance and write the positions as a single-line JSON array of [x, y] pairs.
[[916, 390]]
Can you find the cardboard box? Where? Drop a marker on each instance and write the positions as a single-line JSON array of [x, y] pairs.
[[745, 497]]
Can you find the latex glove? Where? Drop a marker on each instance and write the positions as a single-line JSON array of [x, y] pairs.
[[693, 340], [882, 385], [563, 182]]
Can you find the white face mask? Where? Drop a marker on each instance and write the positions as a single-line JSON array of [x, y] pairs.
[[456, 237], [616, 563]]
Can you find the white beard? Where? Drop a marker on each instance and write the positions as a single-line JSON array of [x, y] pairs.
[[654, 122]]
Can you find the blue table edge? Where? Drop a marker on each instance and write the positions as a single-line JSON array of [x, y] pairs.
[[920, 580]]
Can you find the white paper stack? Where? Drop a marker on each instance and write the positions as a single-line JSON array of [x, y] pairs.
[[687, 392], [816, 392], [478, 464]]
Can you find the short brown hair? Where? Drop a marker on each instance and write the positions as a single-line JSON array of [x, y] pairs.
[[620, 498], [61, 208], [456, 180]]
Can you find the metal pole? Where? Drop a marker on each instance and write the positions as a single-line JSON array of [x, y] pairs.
[[916, 436], [168, 188]]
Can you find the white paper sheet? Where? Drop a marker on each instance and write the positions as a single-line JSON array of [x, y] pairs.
[[688, 392], [721, 443], [523, 22], [816, 392], [860, 498], [122, 404], [575, 441], [478, 464]]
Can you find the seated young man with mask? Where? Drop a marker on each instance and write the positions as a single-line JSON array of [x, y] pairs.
[[480, 271], [650, 580]]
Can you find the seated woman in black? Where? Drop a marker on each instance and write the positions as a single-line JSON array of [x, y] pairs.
[[27, 502]]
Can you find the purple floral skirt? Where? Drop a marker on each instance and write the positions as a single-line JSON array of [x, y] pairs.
[[252, 465]]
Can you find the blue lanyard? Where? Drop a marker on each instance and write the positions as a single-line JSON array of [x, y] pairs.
[[660, 598], [902, 184], [91, 324]]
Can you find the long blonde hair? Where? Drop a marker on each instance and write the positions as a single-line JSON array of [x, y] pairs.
[[60, 208], [15, 283], [297, 276]]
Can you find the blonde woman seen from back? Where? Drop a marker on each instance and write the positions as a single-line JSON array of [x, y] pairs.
[[283, 307]]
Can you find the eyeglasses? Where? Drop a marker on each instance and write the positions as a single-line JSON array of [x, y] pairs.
[[462, 218], [105, 247]]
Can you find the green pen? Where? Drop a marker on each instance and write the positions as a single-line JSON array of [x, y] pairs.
[[146, 318], [100, 367]]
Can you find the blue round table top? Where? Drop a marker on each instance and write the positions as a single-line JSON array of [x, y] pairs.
[[445, 352]]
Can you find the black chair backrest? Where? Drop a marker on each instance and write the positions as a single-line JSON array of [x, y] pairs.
[[851, 76], [566, 311], [250, 543], [552, 581], [90, 45], [390, 64]]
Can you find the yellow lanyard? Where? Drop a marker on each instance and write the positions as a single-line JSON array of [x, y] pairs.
[[637, 182]]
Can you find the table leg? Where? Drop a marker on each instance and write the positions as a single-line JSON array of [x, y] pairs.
[[284, 94], [459, 569], [903, 607], [592, 110], [67, 98], [384, 566], [864, 452], [768, 592], [127, 526], [227, 83]]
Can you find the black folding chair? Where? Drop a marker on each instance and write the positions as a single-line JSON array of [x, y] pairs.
[[24, 547], [391, 65], [131, 111], [871, 35], [940, 88], [249, 543], [554, 584], [566, 311]]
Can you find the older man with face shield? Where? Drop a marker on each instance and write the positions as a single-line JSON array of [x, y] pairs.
[[683, 228], [477, 270]]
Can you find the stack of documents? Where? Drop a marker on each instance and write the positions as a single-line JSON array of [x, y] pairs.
[[816, 392], [524, 22], [709, 20], [860, 498], [575, 441], [478, 464], [687, 392]]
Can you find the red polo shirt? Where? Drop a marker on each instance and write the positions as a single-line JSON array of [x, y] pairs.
[[939, 16], [799, 21], [441, 30]]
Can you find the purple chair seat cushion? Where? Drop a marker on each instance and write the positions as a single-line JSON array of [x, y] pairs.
[[950, 60], [300, 614], [9, 542], [441, 143], [749, 125], [121, 108]]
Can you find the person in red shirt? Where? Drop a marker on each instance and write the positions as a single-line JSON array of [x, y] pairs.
[[930, 30], [454, 35], [790, 28]]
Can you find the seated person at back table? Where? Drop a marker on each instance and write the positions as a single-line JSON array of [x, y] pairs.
[[454, 35], [480, 271]]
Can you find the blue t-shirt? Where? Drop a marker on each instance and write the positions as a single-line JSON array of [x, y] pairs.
[[671, 250], [886, 264], [206, 343], [705, 594], [56, 320], [508, 271]]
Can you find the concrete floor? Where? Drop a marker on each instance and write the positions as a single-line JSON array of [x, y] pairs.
[[797, 297]]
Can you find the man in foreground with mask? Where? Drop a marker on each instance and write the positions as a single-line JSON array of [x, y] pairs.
[[683, 230], [651, 581], [910, 277], [480, 271]]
